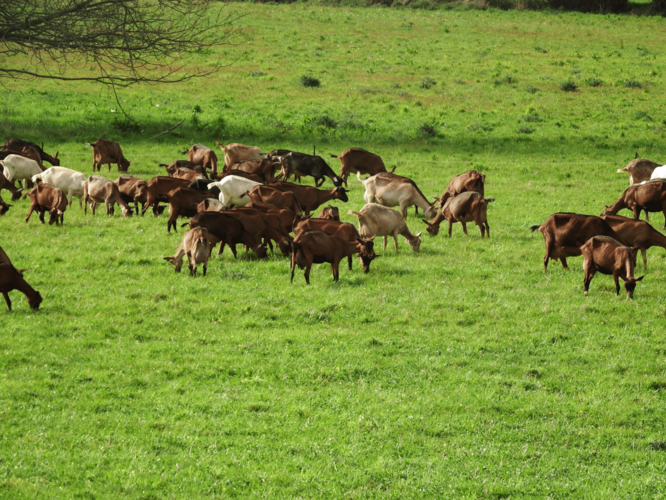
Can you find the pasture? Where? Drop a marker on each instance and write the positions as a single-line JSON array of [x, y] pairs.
[[463, 371]]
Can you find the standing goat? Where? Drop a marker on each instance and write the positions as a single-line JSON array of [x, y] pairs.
[[608, 256]]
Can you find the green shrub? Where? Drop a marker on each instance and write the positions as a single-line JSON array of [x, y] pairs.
[[568, 86], [309, 81], [525, 130], [428, 130], [594, 82], [632, 84], [427, 83]]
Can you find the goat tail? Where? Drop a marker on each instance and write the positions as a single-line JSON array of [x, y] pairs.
[[534, 228], [186, 224], [89, 144], [358, 176], [489, 200], [357, 214], [393, 169], [621, 170], [334, 156], [163, 165]]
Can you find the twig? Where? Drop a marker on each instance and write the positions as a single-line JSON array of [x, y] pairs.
[[175, 126]]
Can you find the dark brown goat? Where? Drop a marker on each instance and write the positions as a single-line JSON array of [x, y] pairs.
[[564, 234], [607, 256], [466, 207], [274, 196], [317, 247], [12, 279], [158, 187], [310, 198], [330, 213], [228, 231], [357, 160], [183, 201]]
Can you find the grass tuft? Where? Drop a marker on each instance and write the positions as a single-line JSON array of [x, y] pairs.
[[427, 130], [632, 84], [427, 83], [568, 86]]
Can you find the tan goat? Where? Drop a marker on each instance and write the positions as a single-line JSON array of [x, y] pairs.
[[195, 246], [377, 220]]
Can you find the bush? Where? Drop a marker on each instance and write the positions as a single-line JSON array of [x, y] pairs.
[[532, 118], [594, 82], [632, 84], [525, 130], [598, 6], [325, 121], [508, 79], [568, 86], [309, 81], [531, 89], [428, 130]]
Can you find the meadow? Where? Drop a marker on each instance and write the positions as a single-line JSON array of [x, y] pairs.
[[463, 371]]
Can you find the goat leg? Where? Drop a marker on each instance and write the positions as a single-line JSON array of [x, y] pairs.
[[7, 299]]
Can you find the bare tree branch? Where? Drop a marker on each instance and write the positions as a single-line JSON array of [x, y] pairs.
[[121, 41]]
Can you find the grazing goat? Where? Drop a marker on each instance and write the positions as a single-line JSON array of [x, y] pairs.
[[4, 207], [45, 198], [195, 246], [466, 207], [9, 186], [183, 202], [647, 197], [377, 220], [20, 168], [97, 189], [359, 161], [393, 190], [202, 155], [20, 145], [659, 173], [302, 164], [317, 247], [605, 255], [472, 180], [310, 198], [184, 165], [108, 152], [344, 230], [639, 170], [232, 189], [274, 196], [227, 230], [564, 234], [12, 279], [637, 234]]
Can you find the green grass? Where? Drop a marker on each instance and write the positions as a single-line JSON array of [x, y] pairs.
[[463, 371]]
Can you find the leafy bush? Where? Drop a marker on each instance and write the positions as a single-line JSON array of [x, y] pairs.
[[594, 82], [427, 83], [309, 81], [569, 86], [325, 121]]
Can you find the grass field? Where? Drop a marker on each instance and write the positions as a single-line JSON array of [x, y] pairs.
[[463, 371]]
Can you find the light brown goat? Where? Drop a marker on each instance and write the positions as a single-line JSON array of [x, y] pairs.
[[377, 220], [639, 170], [637, 234], [357, 160], [605, 255], [472, 180], [108, 152], [648, 197], [45, 198], [194, 246], [202, 155], [97, 189]]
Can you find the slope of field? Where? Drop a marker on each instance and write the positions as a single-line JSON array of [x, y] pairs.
[[463, 371]]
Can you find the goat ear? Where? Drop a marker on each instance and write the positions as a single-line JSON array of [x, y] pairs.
[[641, 278], [607, 206], [57, 153], [427, 223], [21, 271], [419, 234]]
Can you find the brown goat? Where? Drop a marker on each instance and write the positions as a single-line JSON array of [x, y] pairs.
[[12, 279], [202, 155], [637, 234], [357, 160], [317, 247], [158, 187], [466, 207], [108, 152], [330, 213], [184, 165], [608, 256], [45, 198], [472, 180], [649, 197], [274, 196], [564, 234], [264, 168], [183, 201], [310, 198]]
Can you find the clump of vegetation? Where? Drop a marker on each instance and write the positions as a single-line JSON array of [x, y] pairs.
[[476, 127], [643, 115], [428, 130], [196, 109], [568, 86], [525, 130], [256, 73], [325, 121], [531, 89], [126, 126], [657, 445], [427, 83], [532, 117], [594, 82], [632, 84], [540, 49], [508, 79], [309, 81]]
